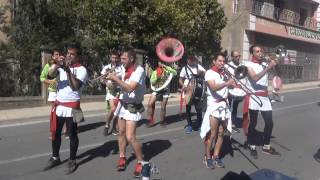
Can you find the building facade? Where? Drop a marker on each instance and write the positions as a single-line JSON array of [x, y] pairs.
[[274, 23]]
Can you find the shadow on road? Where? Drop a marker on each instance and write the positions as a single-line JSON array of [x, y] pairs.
[[110, 147], [88, 127], [152, 148]]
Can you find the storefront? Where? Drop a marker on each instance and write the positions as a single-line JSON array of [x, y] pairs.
[[301, 62]]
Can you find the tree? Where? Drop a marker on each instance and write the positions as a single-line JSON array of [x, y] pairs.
[[101, 25]]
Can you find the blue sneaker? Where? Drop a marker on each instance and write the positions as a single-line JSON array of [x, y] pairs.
[[209, 163], [188, 129], [218, 163]]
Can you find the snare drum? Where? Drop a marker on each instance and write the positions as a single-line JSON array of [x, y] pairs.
[[195, 90]]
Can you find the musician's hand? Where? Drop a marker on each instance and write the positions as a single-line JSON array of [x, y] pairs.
[[111, 76], [231, 83]]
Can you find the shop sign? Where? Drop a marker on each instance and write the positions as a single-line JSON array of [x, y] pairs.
[[303, 33]]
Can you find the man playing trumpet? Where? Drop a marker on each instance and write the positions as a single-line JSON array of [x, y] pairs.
[[158, 77], [112, 91], [258, 82]]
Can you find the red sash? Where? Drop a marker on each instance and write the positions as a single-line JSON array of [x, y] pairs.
[[245, 122], [53, 116]]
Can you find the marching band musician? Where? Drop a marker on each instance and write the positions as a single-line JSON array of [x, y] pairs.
[[130, 108], [236, 93], [192, 69], [66, 109], [157, 76], [217, 115], [112, 92], [51, 82], [258, 82]]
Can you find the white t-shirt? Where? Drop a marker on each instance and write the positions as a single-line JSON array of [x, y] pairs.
[[64, 91], [137, 95], [262, 83], [256, 86], [214, 96], [187, 74], [235, 91]]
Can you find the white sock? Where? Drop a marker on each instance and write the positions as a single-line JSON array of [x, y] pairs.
[[266, 146]]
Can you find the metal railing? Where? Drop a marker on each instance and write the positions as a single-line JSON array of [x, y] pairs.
[[267, 10]]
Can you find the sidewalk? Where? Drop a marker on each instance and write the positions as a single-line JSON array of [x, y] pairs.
[[24, 114]]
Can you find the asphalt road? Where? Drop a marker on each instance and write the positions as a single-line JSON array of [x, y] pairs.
[[25, 149]]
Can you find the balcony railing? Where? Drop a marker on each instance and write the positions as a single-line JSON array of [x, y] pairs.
[[268, 10]]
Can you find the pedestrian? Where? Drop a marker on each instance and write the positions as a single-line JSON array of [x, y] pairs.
[[130, 108], [112, 92], [217, 115], [236, 93], [192, 70], [66, 109], [158, 77], [258, 82]]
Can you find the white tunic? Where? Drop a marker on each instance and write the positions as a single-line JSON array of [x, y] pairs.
[[64, 91], [215, 106], [135, 96], [258, 86]]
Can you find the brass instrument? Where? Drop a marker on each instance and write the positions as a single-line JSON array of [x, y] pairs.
[[240, 73], [170, 50]]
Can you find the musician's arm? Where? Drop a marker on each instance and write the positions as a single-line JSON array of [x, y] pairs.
[[181, 80], [53, 70], [216, 87], [74, 83], [44, 75], [154, 77], [127, 87], [171, 70], [258, 76]]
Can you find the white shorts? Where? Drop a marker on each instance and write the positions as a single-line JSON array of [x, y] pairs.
[[126, 115], [52, 96]]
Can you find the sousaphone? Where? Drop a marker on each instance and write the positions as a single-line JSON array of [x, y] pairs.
[[168, 50]]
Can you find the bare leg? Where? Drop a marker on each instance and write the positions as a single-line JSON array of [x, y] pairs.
[[219, 142], [213, 131], [163, 109], [122, 142], [131, 138], [151, 109]]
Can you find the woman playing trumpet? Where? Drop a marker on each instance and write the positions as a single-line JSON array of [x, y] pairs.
[[112, 91]]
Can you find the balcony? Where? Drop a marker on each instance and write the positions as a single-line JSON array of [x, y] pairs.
[[268, 10]]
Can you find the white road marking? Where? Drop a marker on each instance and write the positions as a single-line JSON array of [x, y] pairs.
[[35, 156]]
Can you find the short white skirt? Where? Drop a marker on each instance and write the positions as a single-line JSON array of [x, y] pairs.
[[126, 115], [52, 96]]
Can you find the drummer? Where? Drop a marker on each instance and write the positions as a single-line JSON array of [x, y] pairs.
[[188, 72], [236, 93], [157, 76]]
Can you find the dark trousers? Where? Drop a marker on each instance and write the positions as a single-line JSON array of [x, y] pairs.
[[73, 135], [267, 117], [233, 103], [197, 106]]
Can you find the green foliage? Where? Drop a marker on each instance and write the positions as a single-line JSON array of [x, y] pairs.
[[101, 25]]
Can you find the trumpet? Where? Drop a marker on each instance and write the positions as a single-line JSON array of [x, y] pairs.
[[102, 78], [240, 73]]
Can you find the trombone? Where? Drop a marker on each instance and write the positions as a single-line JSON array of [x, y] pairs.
[[241, 72]]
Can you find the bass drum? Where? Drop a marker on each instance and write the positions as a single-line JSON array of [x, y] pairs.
[[195, 90]]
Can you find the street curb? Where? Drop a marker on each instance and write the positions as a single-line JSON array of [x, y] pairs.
[[19, 115]]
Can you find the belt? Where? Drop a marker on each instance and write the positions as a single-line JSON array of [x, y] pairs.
[[245, 122], [53, 116]]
